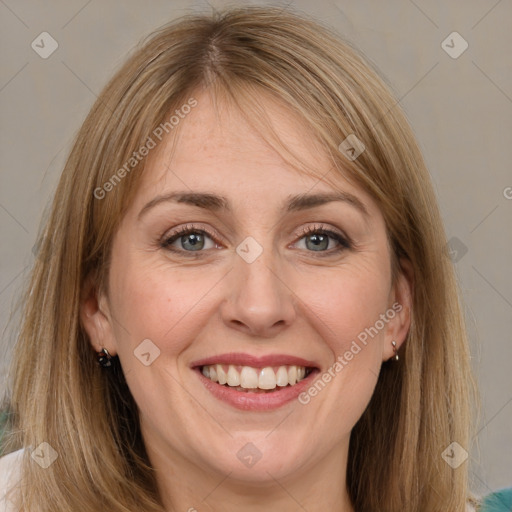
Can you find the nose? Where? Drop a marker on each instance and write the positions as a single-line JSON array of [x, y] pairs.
[[260, 302]]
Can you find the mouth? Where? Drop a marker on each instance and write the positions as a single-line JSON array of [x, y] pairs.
[[248, 379], [255, 383]]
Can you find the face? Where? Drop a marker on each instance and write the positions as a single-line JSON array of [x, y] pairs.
[[274, 287]]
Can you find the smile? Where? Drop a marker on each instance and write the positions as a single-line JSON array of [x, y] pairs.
[[255, 380]]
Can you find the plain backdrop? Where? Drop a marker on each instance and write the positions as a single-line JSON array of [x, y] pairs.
[[460, 110]]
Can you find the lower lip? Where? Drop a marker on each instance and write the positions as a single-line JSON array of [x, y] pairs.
[[247, 401]]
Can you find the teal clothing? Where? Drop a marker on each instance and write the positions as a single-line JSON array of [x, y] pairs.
[[4, 416], [500, 501]]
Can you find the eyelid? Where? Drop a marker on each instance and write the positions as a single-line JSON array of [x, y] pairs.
[[306, 230]]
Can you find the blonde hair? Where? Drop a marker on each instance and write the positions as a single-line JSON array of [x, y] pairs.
[[59, 394]]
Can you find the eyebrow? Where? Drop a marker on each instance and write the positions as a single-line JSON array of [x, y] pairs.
[[213, 202]]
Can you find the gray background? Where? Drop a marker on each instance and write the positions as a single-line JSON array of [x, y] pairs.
[[460, 110]]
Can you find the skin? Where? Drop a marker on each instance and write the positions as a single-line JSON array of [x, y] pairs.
[[290, 300]]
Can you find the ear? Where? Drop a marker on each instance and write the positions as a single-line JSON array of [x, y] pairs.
[[96, 318], [401, 302]]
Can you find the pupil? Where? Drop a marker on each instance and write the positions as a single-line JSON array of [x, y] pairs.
[[317, 240], [194, 240]]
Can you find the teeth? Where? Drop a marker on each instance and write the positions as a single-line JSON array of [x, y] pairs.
[[233, 376], [282, 377], [267, 379], [221, 374], [292, 375], [246, 377]]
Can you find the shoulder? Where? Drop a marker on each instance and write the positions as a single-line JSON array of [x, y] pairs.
[[10, 472]]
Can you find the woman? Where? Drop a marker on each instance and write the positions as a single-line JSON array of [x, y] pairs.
[[242, 299]]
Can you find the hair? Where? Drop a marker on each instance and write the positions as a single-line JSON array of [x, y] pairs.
[[58, 393]]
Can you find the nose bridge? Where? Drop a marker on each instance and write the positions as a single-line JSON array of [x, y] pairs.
[[260, 301]]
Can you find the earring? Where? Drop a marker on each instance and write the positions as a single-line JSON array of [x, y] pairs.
[[395, 350], [104, 358]]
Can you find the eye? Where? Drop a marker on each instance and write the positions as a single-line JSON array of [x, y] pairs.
[[317, 239], [189, 239]]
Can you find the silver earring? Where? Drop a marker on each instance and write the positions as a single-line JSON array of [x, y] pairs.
[[395, 350]]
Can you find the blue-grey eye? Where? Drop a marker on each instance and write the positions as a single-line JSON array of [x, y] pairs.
[[319, 242], [189, 240]]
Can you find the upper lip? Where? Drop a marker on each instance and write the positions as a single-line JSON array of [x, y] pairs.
[[241, 359]]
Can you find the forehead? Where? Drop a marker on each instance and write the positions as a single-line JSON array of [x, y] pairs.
[[229, 151], [217, 133]]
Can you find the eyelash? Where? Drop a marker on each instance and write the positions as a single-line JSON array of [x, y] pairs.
[[344, 243]]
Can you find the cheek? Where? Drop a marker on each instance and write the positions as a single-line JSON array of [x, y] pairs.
[[158, 302], [348, 303], [347, 306]]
